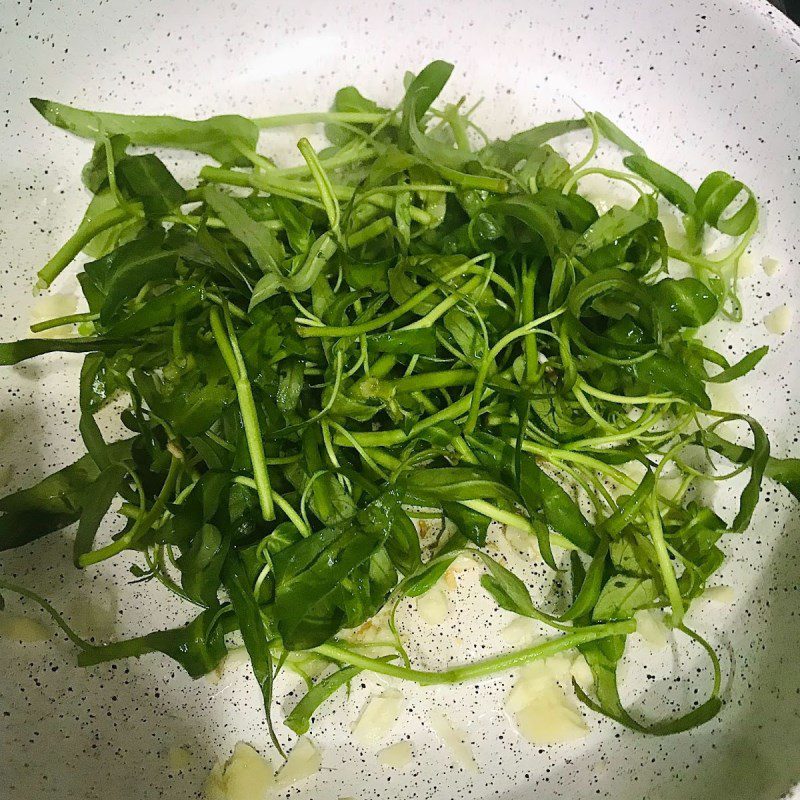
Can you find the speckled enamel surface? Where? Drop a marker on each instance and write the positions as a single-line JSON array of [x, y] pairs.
[[703, 86]]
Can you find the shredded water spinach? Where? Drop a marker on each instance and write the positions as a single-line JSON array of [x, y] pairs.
[[406, 320]]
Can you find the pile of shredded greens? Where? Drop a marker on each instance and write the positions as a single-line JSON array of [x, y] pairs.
[[415, 318]]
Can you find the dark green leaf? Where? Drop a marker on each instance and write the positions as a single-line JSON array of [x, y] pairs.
[[95, 172], [296, 224], [421, 341], [158, 310], [299, 718], [349, 100], [14, 352], [629, 506], [716, 194], [674, 188], [434, 486], [215, 136], [146, 179], [683, 303], [622, 596], [662, 374], [540, 221], [757, 458], [732, 372], [613, 133], [253, 631], [310, 570], [302, 279], [53, 503], [258, 238], [96, 500], [198, 647], [509, 153], [591, 586], [421, 93], [201, 565], [615, 224], [471, 524], [540, 492]]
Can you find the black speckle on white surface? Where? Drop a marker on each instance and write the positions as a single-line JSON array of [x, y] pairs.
[[702, 85]]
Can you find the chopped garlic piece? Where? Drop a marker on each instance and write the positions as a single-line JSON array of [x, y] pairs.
[[538, 676], [454, 739], [526, 689], [779, 321], [433, 605], [178, 758], [214, 786], [304, 760], [770, 265], [519, 540], [246, 776], [543, 712], [378, 717], [375, 629], [747, 266], [236, 658], [669, 485], [396, 756], [213, 677], [719, 594], [724, 397], [604, 192], [560, 665], [650, 626], [551, 719], [674, 231], [23, 629], [582, 672], [520, 632], [99, 618], [232, 661], [450, 580], [49, 306]]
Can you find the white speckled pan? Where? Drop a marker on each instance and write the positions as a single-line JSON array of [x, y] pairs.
[[702, 85]]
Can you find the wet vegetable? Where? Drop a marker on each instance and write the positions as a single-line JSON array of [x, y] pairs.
[[411, 317]]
